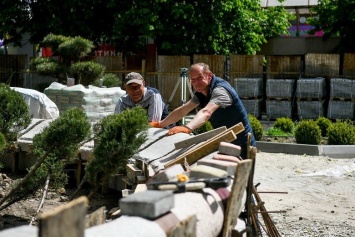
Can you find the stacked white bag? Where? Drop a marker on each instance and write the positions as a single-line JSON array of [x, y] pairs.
[[95, 101]]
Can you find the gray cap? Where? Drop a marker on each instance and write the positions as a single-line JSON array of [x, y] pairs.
[[134, 77]]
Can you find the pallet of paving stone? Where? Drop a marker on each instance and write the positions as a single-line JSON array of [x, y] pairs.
[[249, 87], [278, 108], [280, 88], [338, 109], [253, 106], [342, 88], [311, 88], [310, 109]]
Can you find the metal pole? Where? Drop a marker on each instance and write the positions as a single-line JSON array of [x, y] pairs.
[[183, 75]]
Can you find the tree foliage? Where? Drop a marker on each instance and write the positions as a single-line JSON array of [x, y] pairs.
[[55, 147], [182, 27], [336, 18], [118, 137], [69, 57], [14, 112]]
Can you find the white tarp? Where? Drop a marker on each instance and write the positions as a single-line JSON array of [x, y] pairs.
[[40, 106]]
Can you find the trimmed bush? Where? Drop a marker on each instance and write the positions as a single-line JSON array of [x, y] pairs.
[[285, 124], [87, 72], [341, 133], [308, 132], [258, 128], [14, 112], [323, 124], [109, 80]]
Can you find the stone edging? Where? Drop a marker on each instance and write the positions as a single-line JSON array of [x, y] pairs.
[[333, 151]]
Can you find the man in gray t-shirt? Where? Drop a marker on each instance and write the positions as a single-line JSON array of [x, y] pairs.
[[140, 95]]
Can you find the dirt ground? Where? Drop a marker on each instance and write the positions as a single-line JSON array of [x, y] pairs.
[[319, 199], [320, 193]]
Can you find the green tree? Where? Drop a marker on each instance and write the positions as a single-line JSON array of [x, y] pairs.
[[336, 19], [182, 27], [71, 55]]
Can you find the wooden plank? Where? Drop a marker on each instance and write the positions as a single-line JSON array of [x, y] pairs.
[[234, 203], [67, 220], [199, 138], [238, 128], [210, 146], [97, 217]]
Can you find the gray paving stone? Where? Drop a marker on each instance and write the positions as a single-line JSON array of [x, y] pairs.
[[227, 166], [148, 204], [230, 149], [160, 147]]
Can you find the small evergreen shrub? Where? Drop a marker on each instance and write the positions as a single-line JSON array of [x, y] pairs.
[[109, 80], [14, 112], [258, 128], [341, 133], [87, 72], [204, 128], [323, 124], [2, 142], [285, 124], [308, 132]]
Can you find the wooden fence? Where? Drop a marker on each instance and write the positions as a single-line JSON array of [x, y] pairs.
[[167, 73]]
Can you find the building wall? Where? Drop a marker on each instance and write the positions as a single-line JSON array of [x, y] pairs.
[[298, 46]]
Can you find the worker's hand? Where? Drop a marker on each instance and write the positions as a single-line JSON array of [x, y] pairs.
[[155, 124], [179, 129]]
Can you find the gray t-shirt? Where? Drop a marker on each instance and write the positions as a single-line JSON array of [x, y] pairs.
[[220, 96], [151, 101]]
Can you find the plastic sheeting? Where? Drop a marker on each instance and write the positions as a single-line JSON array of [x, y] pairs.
[[40, 106]]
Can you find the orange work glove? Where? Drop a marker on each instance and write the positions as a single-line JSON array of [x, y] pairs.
[[178, 129], [155, 124]]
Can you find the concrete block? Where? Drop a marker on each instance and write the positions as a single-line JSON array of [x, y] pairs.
[[133, 172], [116, 182], [149, 204], [141, 179], [126, 192], [226, 158], [229, 149], [169, 174], [206, 172], [230, 167]]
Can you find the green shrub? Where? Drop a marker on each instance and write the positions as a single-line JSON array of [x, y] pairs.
[[87, 72], [14, 113], [285, 124], [275, 132], [2, 142], [258, 128], [323, 124], [53, 41], [109, 80], [75, 48], [204, 128], [308, 132], [341, 133]]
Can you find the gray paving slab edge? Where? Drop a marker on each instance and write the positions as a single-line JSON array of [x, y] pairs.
[[333, 151]]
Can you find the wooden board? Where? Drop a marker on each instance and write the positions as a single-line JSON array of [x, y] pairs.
[[199, 138], [97, 217], [210, 146], [67, 220], [240, 183]]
